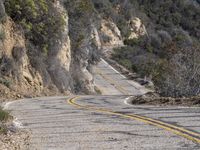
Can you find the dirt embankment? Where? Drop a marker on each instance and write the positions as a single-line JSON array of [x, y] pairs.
[[14, 140], [154, 99], [11, 138]]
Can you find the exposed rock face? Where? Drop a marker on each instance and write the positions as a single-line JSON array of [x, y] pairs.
[[60, 57], [137, 28], [89, 55], [15, 64], [67, 67], [83, 62], [110, 34], [25, 68]]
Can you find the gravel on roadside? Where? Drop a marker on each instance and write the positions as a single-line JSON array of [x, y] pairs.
[[155, 99], [14, 139]]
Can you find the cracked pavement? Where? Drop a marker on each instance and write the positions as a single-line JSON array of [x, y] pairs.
[[57, 125]]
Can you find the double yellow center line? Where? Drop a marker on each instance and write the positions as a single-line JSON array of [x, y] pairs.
[[119, 88], [193, 136]]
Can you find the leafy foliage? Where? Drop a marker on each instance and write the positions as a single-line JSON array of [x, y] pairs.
[[173, 13], [38, 18], [4, 115], [2, 35], [5, 82]]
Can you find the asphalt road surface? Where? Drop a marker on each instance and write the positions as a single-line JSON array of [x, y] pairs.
[[106, 122]]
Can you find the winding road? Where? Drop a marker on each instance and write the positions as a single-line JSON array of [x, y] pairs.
[[106, 122]]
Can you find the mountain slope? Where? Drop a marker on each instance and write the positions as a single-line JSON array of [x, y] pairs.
[[50, 47]]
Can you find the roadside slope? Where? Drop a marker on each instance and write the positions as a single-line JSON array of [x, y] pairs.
[[57, 124]]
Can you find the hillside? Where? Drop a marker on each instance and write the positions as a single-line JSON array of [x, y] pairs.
[[41, 52], [50, 47], [171, 48], [161, 42], [55, 47]]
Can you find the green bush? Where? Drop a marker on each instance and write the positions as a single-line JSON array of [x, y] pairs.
[[38, 18], [149, 48], [173, 13], [132, 42], [179, 37], [2, 35], [79, 8], [5, 82], [4, 115], [3, 19], [3, 129], [126, 63], [85, 6]]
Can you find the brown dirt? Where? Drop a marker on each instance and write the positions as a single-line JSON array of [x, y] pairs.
[[12, 138], [19, 92], [154, 99]]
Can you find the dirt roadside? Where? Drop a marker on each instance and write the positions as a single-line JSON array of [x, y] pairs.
[[14, 140], [152, 98], [11, 137], [155, 99]]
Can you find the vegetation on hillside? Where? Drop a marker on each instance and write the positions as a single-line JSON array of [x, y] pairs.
[[4, 116], [169, 54], [40, 21], [173, 13]]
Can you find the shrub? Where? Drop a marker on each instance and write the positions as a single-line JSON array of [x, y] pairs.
[[38, 18], [165, 37], [155, 41], [2, 35], [123, 26], [126, 63], [149, 48], [176, 17], [4, 115], [171, 13], [132, 42], [85, 6], [79, 9], [5, 82], [7, 66], [182, 38], [2, 12]]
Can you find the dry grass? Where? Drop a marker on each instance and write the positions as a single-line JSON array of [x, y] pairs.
[[4, 115]]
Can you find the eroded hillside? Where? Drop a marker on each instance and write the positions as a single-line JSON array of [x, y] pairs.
[[38, 57], [49, 47]]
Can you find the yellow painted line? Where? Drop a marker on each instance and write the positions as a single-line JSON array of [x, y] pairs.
[[195, 137], [118, 87]]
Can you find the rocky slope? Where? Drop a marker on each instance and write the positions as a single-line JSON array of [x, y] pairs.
[[34, 62], [41, 56], [50, 47]]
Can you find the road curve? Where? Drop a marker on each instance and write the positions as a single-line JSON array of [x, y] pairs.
[[189, 134], [106, 122], [57, 125]]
